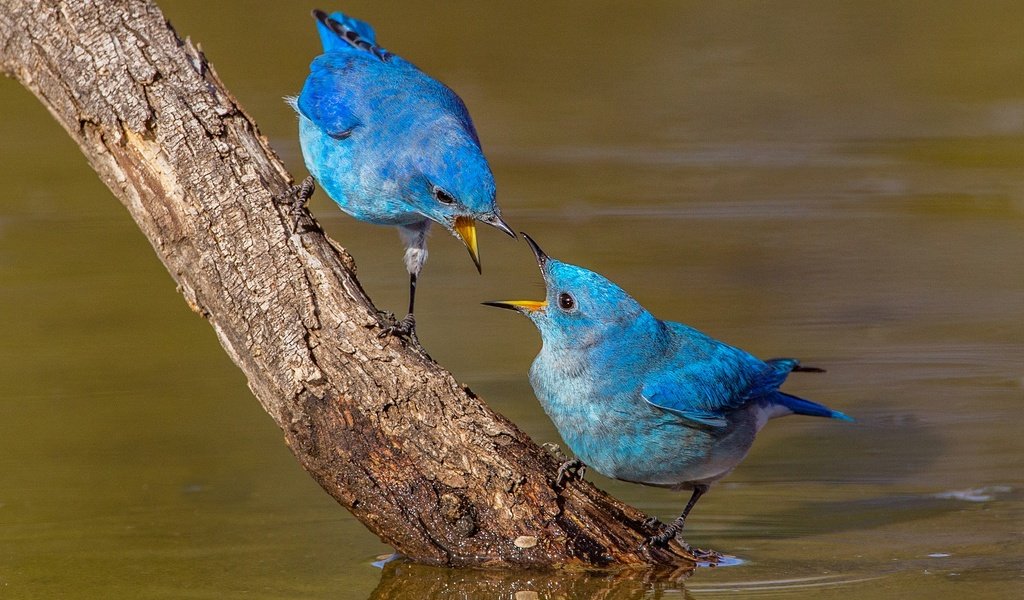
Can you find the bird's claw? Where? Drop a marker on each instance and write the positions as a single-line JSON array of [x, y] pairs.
[[652, 523], [668, 533], [295, 199], [570, 469], [662, 538], [406, 328]]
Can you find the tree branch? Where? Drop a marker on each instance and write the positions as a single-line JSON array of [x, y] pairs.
[[391, 435]]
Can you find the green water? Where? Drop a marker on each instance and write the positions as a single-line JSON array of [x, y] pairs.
[[838, 182]]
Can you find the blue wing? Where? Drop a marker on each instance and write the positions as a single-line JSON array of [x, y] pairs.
[[345, 90], [353, 76], [326, 99], [709, 381]]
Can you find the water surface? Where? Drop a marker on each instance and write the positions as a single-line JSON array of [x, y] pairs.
[[844, 184]]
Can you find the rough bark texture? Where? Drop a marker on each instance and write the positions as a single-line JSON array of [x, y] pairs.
[[386, 431]]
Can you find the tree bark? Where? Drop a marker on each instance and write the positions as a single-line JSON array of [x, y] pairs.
[[412, 453]]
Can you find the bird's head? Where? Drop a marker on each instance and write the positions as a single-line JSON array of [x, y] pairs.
[[454, 185], [580, 306]]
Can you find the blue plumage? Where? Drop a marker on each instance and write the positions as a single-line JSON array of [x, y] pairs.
[[391, 145], [646, 400], [333, 32]]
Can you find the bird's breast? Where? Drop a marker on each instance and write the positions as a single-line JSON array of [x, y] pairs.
[[355, 174], [606, 423]]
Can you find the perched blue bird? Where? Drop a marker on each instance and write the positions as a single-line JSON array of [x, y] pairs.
[[391, 145], [645, 400]]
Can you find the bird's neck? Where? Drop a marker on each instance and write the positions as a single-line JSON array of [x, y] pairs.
[[617, 346]]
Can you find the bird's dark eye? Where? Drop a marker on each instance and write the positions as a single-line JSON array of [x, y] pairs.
[[565, 301], [442, 196]]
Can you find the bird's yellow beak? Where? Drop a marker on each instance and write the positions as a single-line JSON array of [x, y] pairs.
[[466, 228], [523, 306]]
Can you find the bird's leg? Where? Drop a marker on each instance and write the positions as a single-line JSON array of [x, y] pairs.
[[676, 526], [295, 199], [406, 327], [412, 293], [414, 237]]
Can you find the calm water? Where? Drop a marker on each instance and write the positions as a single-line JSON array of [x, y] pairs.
[[842, 184]]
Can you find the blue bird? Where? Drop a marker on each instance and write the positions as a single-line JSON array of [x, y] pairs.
[[391, 146], [645, 400]]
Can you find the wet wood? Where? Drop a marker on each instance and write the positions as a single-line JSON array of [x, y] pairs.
[[404, 581], [410, 451]]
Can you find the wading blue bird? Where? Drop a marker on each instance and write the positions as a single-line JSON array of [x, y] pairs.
[[391, 146], [645, 400]]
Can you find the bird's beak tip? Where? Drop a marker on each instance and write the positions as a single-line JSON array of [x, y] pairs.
[[542, 258], [497, 222], [465, 227]]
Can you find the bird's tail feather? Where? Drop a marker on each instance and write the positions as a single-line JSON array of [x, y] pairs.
[[806, 407], [340, 32]]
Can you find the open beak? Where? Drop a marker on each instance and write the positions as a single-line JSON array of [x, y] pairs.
[[523, 306], [542, 258], [466, 228]]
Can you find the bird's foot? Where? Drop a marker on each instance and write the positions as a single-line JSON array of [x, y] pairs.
[[406, 328], [570, 469], [663, 538], [668, 534], [653, 523], [295, 199]]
